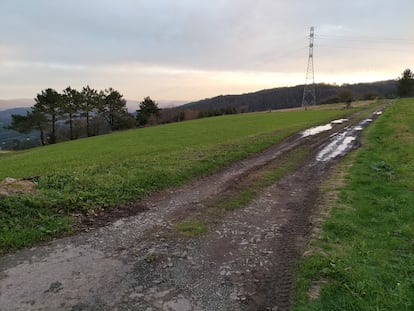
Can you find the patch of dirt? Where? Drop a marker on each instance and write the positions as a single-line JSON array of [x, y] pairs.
[[103, 217], [315, 289], [11, 186], [246, 260]]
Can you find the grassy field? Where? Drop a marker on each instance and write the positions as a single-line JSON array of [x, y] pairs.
[[364, 257], [108, 170]]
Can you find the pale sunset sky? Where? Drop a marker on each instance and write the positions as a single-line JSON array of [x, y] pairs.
[[178, 51]]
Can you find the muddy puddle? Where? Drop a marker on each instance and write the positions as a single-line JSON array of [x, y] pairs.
[[321, 128], [342, 142]]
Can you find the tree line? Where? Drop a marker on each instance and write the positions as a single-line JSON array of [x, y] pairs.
[[73, 114], [406, 84]]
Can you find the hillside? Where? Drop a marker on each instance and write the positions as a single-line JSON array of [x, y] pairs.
[[289, 97], [109, 170], [5, 115]]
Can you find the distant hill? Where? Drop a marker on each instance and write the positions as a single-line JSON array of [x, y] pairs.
[[10, 139], [289, 97], [13, 103], [5, 115]]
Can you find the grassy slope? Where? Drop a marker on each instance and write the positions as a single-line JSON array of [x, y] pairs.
[[121, 167], [365, 253], [124, 165]]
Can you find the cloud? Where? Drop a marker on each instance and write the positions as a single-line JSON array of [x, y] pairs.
[[156, 44], [218, 34]]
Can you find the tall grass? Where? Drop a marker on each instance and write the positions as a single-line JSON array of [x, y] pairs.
[[365, 253]]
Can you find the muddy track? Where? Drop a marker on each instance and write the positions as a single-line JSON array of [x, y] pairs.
[[244, 262]]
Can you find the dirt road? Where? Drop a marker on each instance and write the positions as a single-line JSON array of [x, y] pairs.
[[243, 262]]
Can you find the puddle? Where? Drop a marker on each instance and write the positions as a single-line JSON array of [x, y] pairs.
[[339, 121], [316, 130], [341, 143], [321, 128]]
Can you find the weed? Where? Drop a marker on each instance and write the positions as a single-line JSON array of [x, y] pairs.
[[191, 229], [24, 221], [239, 200], [153, 257]]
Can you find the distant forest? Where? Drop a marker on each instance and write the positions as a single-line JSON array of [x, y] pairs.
[[290, 97]]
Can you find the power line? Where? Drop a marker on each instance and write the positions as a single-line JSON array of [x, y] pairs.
[[356, 47], [378, 40]]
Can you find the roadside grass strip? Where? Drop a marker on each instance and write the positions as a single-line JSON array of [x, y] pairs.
[[363, 258]]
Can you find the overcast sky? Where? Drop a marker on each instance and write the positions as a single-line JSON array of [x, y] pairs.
[[183, 50]]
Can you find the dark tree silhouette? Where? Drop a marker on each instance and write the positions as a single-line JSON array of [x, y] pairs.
[[34, 120], [71, 102], [91, 101], [48, 102], [147, 108], [114, 108], [406, 84], [346, 97]]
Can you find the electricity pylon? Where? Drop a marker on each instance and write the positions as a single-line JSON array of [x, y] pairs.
[[309, 93]]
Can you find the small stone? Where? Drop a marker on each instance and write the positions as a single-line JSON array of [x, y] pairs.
[[178, 304], [136, 295], [233, 296]]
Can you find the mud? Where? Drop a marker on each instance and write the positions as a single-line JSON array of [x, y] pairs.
[[341, 142], [244, 262]]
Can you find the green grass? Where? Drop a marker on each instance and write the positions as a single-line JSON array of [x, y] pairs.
[[191, 229], [254, 184], [241, 199], [97, 172], [24, 221], [365, 252]]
